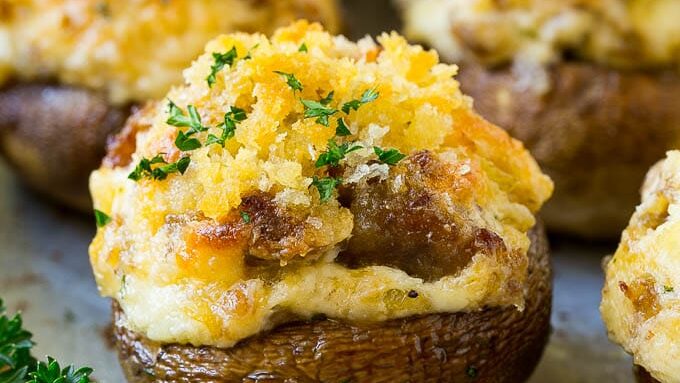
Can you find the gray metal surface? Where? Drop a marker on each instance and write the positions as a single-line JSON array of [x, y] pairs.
[[44, 272]]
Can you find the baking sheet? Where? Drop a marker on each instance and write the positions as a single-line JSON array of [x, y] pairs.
[[45, 273]]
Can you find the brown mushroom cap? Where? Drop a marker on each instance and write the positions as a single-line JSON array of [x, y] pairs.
[[54, 136], [595, 133], [492, 345]]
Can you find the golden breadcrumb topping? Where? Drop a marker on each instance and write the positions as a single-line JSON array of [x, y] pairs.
[[531, 34], [136, 49], [306, 174], [641, 297]]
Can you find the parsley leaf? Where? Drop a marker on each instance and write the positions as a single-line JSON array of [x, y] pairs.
[[369, 96], [291, 80], [325, 186], [146, 168], [334, 154], [390, 157], [101, 218], [328, 99], [342, 130], [319, 110], [668, 289], [15, 345], [177, 118], [303, 48], [221, 59], [231, 119], [51, 372], [245, 217]]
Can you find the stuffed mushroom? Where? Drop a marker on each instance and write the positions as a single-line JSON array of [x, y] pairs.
[[321, 210], [590, 86], [72, 71], [640, 300]]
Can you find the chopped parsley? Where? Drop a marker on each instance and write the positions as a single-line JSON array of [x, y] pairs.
[[291, 80], [472, 372], [328, 99], [178, 118], [318, 110], [390, 157], [325, 186], [245, 217], [147, 169], [221, 60], [369, 96], [335, 153], [668, 289], [303, 48], [101, 218], [342, 130], [231, 119]]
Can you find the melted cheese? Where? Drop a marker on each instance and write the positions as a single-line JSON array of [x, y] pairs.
[[174, 255], [641, 297], [133, 50]]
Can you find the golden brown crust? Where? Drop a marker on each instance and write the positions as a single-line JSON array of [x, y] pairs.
[[54, 136], [596, 133], [493, 345]]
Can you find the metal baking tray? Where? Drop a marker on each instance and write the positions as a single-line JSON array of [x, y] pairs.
[[45, 273]]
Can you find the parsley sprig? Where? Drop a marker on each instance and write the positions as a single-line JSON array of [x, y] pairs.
[[231, 119], [326, 186], [220, 61], [18, 366], [390, 156], [15, 344], [335, 153], [51, 372], [158, 169]]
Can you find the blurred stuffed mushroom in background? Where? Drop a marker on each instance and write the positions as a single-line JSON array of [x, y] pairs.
[[321, 210], [72, 71], [641, 297], [590, 86]]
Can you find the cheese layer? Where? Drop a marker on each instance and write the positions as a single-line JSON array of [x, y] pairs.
[[133, 50], [641, 297], [243, 240]]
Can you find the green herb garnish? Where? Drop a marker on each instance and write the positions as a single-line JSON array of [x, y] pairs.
[[291, 80], [342, 130], [245, 217], [178, 118], [318, 110], [221, 60], [328, 99], [325, 186], [472, 372], [101, 218], [15, 345], [303, 48], [335, 153], [51, 372], [147, 169], [231, 119], [368, 96], [390, 157], [668, 289]]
